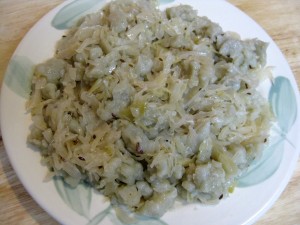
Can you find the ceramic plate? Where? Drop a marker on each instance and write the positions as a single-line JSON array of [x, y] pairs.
[[256, 191]]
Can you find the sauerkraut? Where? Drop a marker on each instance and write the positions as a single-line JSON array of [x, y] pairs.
[[148, 106]]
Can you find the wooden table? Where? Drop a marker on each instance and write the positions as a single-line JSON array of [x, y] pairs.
[[281, 19]]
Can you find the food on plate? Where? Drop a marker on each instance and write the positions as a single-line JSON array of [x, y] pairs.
[[148, 106]]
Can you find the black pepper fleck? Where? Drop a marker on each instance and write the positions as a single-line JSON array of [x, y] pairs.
[[81, 158]]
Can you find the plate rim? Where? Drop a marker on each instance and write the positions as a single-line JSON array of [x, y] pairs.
[[37, 198]]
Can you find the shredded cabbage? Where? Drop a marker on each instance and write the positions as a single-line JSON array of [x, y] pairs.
[[148, 105]]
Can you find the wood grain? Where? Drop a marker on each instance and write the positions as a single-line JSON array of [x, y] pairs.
[[279, 18]]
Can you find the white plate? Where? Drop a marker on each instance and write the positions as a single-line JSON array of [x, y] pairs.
[[257, 191]]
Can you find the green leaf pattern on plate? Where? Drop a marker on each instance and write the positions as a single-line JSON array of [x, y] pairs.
[[66, 17], [265, 167], [284, 105], [79, 198], [165, 1], [283, 102], [18, 75], [100, 216]]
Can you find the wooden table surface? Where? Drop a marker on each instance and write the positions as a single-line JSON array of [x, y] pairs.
[[280, 18]]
